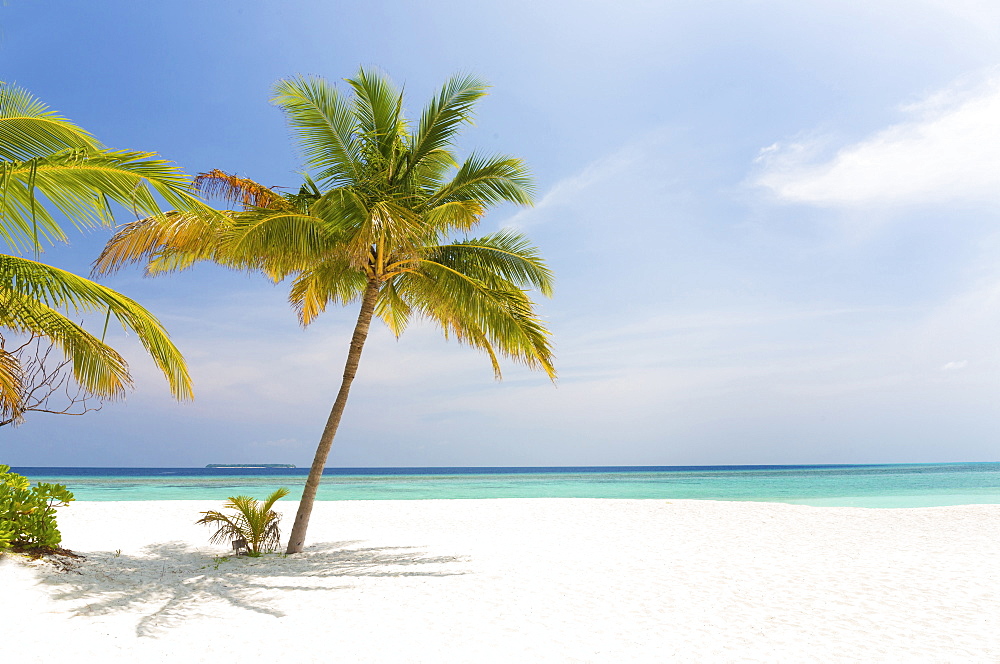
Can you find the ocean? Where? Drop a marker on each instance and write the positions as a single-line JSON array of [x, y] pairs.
[[887, 485]]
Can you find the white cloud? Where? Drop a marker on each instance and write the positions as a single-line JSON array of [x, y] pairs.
[[948, 150], [954, 366]]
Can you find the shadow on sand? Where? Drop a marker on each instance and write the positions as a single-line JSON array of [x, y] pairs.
[[172, 582]]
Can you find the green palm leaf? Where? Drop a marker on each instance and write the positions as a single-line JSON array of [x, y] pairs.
[[377, 108], [49, 166], [32, 293], [507, 254], [488, 312], [443, 117], [11, 387], [323, 121], [277, 242], [28, 129], [97, 367], [491, 180], [80, 184], [331, 281], [166, 242]]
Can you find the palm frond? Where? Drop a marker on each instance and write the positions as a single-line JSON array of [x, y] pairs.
[[79, 184], [487, 312], [506, 253], [324, 126], [490, 180], [28, 129], [11, 387], [237, 191], [394, 311], [378, 107], [97, 367], [184, 237], [228, 528], [431, 173], [443, 117], [331, 281], [34, 291], [275, 496], [453, 216], [276, 242]]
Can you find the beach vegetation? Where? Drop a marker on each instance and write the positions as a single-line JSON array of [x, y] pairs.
[[28, 513], [49, 167], [250, 520], [46, 381], [381, 219], [6, 535]]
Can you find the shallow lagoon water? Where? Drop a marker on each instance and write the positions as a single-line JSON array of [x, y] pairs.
[[909, 485]]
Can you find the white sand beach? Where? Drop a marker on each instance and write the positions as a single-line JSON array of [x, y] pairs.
[[533, 580]]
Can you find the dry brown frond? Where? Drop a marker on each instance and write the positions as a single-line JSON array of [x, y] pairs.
[[236, 190]]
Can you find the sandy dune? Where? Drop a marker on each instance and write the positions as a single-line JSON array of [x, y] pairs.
[[538, 580]]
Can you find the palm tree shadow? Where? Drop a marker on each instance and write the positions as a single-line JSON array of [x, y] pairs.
[[172, 583]]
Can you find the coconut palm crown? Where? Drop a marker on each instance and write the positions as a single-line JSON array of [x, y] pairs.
[[379, 221], [50, 166]]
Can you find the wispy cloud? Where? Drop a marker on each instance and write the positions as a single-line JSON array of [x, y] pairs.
[[948, 149], [630, 162]]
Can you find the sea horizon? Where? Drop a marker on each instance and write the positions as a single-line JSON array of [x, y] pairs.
[[843, 485], [279, 466]]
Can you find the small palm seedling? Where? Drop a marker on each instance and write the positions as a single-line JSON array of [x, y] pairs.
[[253, 522]]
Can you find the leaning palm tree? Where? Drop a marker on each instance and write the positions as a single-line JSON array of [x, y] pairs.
[[48, 165], [376, 223]]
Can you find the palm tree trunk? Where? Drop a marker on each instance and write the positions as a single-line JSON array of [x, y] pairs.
[[298, 537]]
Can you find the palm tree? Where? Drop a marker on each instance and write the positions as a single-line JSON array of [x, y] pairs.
[[49, 165], [254, 523], [375, 224]]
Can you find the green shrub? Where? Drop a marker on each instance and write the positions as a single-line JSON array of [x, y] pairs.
[[6, 535], [28, 513], [253, 522]]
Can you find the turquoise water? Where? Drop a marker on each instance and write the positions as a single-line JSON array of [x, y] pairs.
[[910, 485]]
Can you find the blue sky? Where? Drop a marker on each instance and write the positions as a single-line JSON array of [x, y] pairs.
[[774, 226]]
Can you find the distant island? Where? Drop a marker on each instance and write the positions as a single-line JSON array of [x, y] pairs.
[[250, 465]]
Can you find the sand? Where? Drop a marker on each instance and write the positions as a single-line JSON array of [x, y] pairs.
[[535, 580]]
